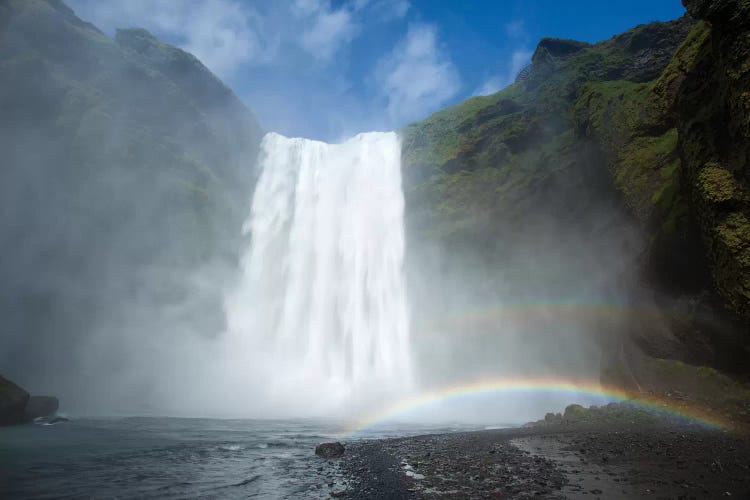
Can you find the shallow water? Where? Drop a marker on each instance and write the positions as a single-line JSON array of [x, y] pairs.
[[148, 457]]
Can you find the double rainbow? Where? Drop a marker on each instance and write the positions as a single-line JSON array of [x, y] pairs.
[[574, 387]]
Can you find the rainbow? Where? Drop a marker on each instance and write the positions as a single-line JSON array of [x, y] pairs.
[[575, 387], [548, 312]]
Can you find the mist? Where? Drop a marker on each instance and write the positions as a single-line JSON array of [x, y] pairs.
[[127, 200]]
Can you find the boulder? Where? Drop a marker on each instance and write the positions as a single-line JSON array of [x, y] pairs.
[[553, 418], [13, 401], [41, 406], [329, 450], [574, 412]]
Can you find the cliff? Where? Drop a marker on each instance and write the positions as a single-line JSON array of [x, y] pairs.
[[616, 169], [126, 168]]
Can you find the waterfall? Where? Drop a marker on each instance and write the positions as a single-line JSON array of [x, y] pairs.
[[322, 293]]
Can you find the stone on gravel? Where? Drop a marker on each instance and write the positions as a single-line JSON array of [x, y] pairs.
[[329, 450]]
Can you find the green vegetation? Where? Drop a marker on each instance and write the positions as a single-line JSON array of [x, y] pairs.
[[731, 251], [451, 135], [717, 184], [654, 121], [492, 155]]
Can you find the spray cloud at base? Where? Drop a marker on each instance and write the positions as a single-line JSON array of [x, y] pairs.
[[319, 322], [321, 302]]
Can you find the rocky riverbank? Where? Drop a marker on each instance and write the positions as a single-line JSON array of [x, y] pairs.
[[631, 455], [18, 407]]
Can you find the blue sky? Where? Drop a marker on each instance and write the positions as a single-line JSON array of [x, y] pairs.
[[327, 69]]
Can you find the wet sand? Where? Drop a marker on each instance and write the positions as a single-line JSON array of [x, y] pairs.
[[619, 459]]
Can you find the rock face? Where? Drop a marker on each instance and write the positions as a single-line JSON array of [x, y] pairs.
[[646, 132], [17, 407], [41, 406], [329, 450], [13, 401], [132, 142], [712, 107]]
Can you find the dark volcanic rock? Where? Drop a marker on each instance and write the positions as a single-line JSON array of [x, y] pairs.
[[574, 412], [720, 11], [553, 418], [13, 400], [615, 456], [329, 450], [713, 117], [41, 406], [560, 47]]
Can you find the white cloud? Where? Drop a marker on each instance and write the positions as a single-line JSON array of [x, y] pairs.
[[518, 59], [416, 77], [326, 29], [274, 53], [520, 56], [222, 33], [385, 10], [490, 86], [515, 29], [225, 34]]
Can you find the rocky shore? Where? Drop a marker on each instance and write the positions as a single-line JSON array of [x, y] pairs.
[[631, 455], [18, 407]]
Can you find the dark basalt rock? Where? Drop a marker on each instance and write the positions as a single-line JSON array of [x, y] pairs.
[[329, 450], [574, 412], [553, 418], [41, 406], [560, 47], [13, 401], [734, 12]]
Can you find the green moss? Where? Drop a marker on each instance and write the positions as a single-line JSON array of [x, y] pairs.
[[691, 51], [610, 110], [731, 252], [464, 204], [646, 172], [734, 231], [575, 412], [717, 184], [638, 141], [451, 133], [706, 372], [701, 381]]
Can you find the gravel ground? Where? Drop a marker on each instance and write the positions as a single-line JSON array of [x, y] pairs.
[[619, 459]]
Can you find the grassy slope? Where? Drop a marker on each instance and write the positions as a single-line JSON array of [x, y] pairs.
[[474, 168]]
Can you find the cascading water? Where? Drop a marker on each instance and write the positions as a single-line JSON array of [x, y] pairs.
[[322, 295]]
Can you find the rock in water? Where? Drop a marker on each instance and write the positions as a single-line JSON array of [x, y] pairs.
[[41, 406], [329, 450], [13, 401]]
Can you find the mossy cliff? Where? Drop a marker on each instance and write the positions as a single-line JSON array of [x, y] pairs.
[[713, 114], [125, 170], [647, 133]]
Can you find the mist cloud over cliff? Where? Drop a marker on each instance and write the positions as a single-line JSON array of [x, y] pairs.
[[529, 250]]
